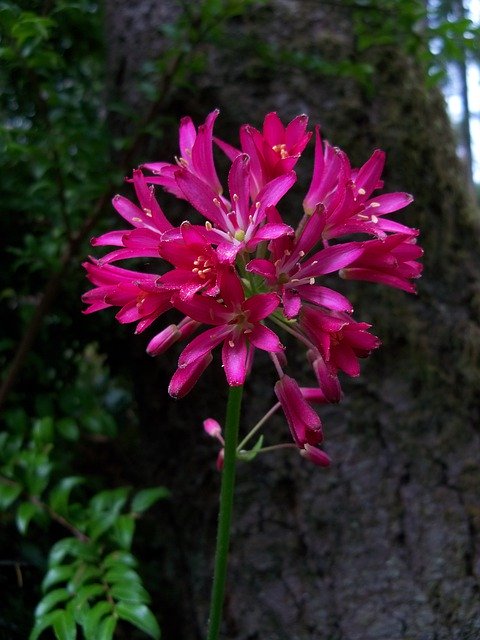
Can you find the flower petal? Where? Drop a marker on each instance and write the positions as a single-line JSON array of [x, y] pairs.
[[203, 344], [234, 358], [264, 338]]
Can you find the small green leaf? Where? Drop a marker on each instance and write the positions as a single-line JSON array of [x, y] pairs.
[[64, 626], [111, 500], [9, 492], [121, 573], [68, 428], [123, 531], [85, 573], [84, 550], [42, 432], [140, 616], [93, 618], [50, 600], [25, 513], [41, 624], [87, 592], [107, 628], [120, 557], [60, 494], [144, 499], [61, 573], [130, 592]]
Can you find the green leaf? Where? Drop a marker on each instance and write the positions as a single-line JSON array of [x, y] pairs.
[[9, 492], [85, 573], [93, 618], [41, 624], [60, 494], [121, 573], [50, 600], [130, 592], [144, 499], [87, 592], [25, 513], [107, 628], [73, 547], [61, 573], [68, 428], [64, 626], [42, 432], [140, 616], [120, 557], [111, 500], [123, 531]]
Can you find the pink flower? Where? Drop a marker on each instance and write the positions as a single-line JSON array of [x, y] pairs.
[[196, 157], [294, 274], [391, 261], [237, 323], [274, 151], [339, 339], [148, 220], [196, 262], [240, 224], [303, 421], [343, 195], [136, 293]]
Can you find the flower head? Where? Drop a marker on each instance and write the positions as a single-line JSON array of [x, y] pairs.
[[243, 274]]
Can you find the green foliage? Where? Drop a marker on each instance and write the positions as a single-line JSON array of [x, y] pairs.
[[433, 33], [91, 580]]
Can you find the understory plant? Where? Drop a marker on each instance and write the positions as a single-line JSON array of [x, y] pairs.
[[240, 278]]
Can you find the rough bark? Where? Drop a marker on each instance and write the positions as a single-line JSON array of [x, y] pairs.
[[385, 544]]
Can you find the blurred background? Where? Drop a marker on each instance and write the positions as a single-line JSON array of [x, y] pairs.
[[384, 545]]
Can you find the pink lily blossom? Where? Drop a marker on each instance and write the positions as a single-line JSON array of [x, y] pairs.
[[237, 323], [196, 157], [339, 339], [136, 293], [239, 225], [344, 195], [274, 151], [391, 261]]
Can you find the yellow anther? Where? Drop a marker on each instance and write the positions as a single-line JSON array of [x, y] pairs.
[[362, 191]]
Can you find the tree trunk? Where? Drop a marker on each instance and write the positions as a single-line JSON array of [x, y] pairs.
[[386, 543]]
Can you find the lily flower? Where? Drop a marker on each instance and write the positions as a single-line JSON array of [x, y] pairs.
[[196, 157], [237, 323]]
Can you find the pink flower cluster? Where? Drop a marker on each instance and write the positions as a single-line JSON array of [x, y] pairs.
[[244, 268]]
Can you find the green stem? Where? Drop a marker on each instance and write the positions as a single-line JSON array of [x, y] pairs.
[[225, 513]]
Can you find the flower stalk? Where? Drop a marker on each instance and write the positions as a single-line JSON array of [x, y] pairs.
[[225, 511]]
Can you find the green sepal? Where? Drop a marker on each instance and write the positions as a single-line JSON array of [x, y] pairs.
[[248, 456]]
